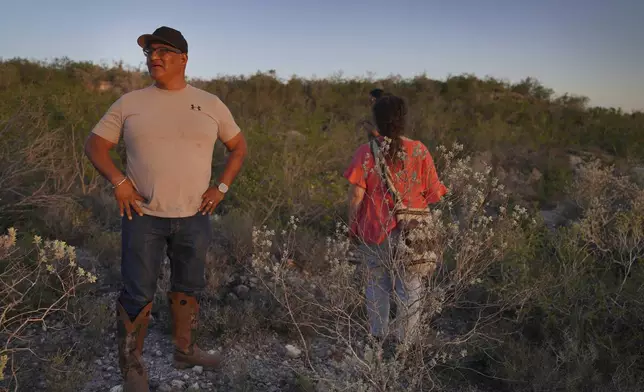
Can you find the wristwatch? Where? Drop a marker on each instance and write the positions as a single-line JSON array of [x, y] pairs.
[[223, 188]]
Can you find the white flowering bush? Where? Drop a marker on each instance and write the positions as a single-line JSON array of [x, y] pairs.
[[479, 222], [575, 300], [613, 221], [474, 226], [273, 261], [37, 281]]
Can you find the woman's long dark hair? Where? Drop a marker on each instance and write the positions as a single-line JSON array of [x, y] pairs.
[[390, 115]]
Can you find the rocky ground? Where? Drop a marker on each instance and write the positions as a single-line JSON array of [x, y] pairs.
[[265, 362], [250, 366]]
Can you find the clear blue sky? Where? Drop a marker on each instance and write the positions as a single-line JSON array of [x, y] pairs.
[[589, 47]]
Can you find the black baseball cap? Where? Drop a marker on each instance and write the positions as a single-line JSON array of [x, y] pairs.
[[165, 35], [377, 92]]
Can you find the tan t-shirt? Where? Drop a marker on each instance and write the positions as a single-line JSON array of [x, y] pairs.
[[169, 137]]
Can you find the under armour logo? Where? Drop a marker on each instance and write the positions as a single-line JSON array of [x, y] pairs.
[[193, 107]]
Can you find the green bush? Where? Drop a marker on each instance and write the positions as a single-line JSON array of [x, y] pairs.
[[575, 295]]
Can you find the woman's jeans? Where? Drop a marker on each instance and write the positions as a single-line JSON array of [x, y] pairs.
[[383, 279]]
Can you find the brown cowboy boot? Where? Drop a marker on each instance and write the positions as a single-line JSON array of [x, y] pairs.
[[185, 314], [131, 335]]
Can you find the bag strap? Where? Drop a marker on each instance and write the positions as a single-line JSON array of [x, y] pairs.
[[385, 173]]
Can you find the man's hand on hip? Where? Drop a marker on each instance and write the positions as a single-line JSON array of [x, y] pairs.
[[127, 197], [210, 199]]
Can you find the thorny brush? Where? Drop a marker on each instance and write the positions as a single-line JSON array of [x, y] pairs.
[[470, 229]]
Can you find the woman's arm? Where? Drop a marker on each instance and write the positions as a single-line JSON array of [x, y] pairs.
[[356, 195], [434, 188]]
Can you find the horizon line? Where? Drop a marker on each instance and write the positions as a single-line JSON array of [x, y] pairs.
[[338, 75]]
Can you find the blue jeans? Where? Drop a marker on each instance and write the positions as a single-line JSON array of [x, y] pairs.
[[144, 241], [385, 277]]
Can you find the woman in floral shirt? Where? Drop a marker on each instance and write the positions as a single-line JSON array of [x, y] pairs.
[[371, 218]]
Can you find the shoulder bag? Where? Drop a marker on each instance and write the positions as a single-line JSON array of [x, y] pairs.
[[415, 246]]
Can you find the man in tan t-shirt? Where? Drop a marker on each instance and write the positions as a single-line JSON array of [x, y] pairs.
[[165, 198]]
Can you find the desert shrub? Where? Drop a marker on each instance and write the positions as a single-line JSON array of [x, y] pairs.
[[43, 171], [556, 179], [37, 282], [527, 308], [473, 228], [511, 305], [301, 133], [578, 317]]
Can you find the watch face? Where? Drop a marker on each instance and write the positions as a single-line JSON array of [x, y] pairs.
[[223, 188]]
